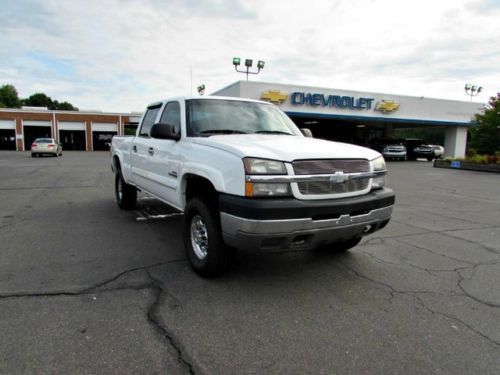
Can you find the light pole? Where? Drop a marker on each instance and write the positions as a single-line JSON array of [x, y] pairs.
[[248, 65], [472, 90], [201, 90]]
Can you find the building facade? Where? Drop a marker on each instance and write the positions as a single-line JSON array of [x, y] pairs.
[[358, 117], [84, 131]]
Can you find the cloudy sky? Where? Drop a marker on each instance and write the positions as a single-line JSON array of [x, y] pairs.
[[119, 55]]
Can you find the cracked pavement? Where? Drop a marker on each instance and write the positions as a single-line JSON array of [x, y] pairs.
[[87, 288]]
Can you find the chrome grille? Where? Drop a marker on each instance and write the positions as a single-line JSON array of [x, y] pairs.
[[304, 167], [311, 167]]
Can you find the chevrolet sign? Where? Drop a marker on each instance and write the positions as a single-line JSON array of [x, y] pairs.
[[387, 106], [275, 97]]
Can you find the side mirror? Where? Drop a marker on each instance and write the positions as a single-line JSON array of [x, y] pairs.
[[162, 130], [307, 132]]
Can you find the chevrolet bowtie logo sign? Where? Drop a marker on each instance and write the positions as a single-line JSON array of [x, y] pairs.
[[275, 97], [387, 106]]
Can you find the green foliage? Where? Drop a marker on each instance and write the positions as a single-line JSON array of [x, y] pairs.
[[9, 97], [433, 136], [486, 135], [38, 100]]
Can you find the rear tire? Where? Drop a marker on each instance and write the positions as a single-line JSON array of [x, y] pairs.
[[126, 195], [206, 251]]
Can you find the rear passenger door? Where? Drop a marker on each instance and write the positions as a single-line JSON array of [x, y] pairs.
[[140, 158]]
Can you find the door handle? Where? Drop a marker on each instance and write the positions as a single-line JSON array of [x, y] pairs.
[[151, 151], [134, 148]]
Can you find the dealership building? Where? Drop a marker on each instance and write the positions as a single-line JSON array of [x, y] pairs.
[[341, 115], [76, 130], [360, 117]]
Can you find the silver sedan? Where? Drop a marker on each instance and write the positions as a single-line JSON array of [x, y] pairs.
[[46, 146]]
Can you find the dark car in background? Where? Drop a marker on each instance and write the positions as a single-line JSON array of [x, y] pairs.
[[417, 148]]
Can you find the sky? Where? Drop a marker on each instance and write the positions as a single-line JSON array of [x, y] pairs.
[[120, 55]]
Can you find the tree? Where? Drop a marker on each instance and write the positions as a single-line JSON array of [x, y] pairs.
[[9, 97], [64, 106], [486, 135], [42, 100], [38, 100]]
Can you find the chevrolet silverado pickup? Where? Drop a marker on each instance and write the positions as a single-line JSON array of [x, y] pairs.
[[244, 176]]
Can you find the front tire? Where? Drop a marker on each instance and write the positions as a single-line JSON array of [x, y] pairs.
[[126, 195], [206, 251]]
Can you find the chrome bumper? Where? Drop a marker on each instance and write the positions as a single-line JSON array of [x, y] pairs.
[[303, 233]]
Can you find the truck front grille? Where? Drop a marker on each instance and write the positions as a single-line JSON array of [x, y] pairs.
[[312, 167]]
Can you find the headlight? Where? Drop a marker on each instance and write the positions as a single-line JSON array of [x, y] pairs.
[[265, 189], [263, 166], [378, 165]]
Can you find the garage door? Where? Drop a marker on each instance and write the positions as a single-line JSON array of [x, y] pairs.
[[102, 133], [72, 135], [7, 124], [35, 129], [65, 125], [104, 127], [7, 135]]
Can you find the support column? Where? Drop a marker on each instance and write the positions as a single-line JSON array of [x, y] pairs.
[[19, 134], [88, 136], [455, 140]]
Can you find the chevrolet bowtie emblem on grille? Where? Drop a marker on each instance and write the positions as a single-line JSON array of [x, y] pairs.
[[387, 106], [275, 97], [338, 177]]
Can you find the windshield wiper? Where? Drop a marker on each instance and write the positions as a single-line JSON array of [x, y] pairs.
[[222, 131], [272, 132]]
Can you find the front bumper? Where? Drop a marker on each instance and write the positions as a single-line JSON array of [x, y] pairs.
[[394, 154], [268, 224]]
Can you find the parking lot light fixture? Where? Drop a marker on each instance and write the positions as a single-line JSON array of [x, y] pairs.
[[248, 65], [201, 89], [472, 90]]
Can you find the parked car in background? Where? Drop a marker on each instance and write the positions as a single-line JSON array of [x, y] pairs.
[[46, 146], [418, 148], [394, 150], [390, 148], [438, 151]]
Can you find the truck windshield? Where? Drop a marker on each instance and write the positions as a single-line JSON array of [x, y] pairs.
[[205, 117]]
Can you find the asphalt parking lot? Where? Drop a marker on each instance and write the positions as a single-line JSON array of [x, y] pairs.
[[87, 288]]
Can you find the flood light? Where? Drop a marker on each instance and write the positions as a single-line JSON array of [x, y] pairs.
[[236, 61]]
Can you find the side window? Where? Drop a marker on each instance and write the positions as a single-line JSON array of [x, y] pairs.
[[149, 120], [172, 115]]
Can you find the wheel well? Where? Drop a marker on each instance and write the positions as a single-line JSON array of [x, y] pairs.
[[116, 162], [196, 186]]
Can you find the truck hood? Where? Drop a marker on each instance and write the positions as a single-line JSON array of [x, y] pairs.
[[285, 148]]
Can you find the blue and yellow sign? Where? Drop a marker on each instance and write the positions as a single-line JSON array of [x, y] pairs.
[[387, 106], [334, 101], [275, 97]]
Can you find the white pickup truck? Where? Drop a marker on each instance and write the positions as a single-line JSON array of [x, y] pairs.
[[246, 177]]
